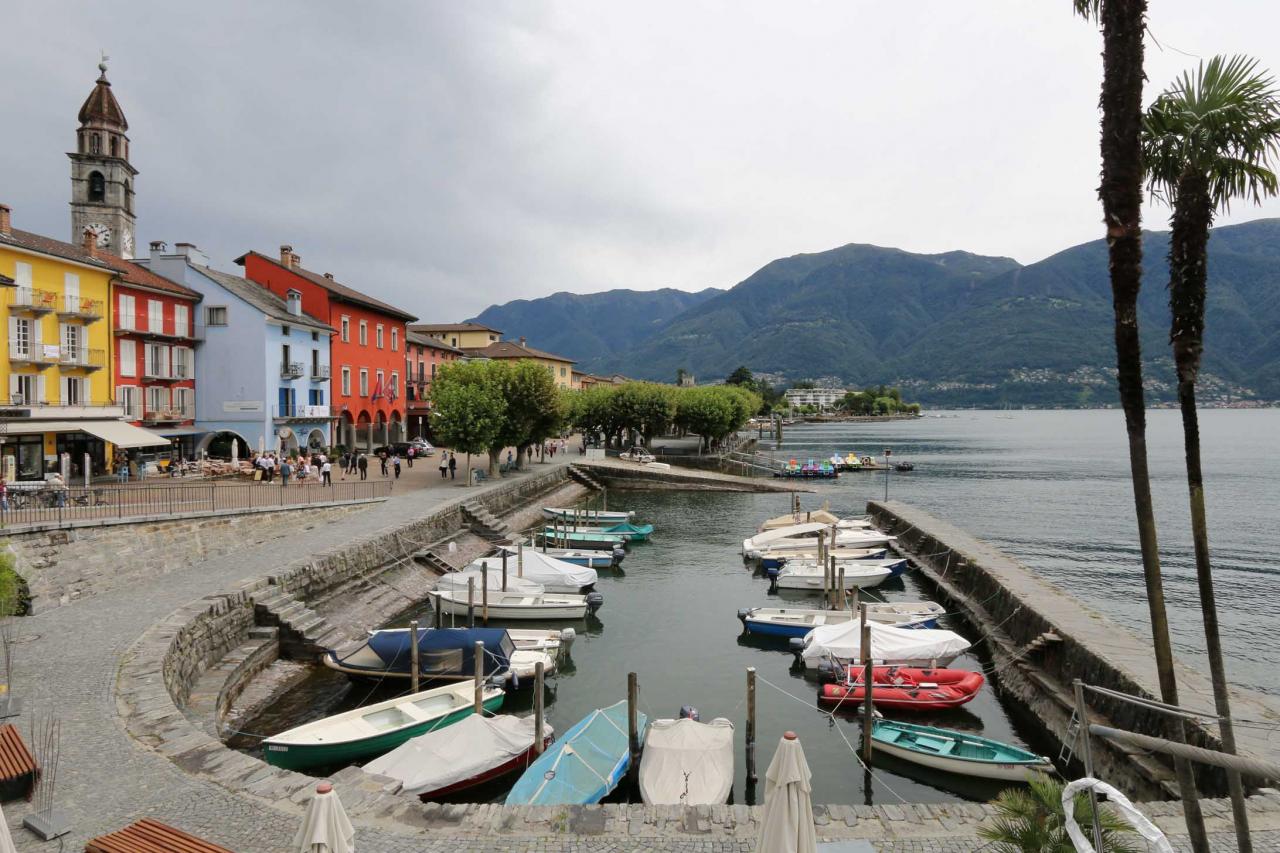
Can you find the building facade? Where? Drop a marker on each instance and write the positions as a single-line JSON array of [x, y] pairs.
[[459, 335], [561, 367], [263, 361], [101, 175], [367, 387], [424, 355], [822, 399]]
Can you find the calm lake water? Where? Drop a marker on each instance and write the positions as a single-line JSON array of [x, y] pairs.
[[1050, 487]]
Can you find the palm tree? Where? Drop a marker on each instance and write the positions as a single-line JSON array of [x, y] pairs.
[[1208, 140], [1123, 25], [1031, 820]]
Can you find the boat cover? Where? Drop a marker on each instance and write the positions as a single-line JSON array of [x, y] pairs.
[[687, 762], [465, 750], [457, 581], [444, 650], [540, 568], [844, 641], [583, 766], [804, 529]]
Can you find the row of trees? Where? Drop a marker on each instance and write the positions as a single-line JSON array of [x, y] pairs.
[[647, 409], [877, 401]]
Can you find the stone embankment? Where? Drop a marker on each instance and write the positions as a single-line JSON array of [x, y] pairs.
[[617, 474]]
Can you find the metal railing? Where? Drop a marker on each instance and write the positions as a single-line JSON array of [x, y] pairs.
[[292, 369], [168, 415], [32, 353], [319, 372], [157, 371], [82, 357], [39, 505], [79, 306], [33, 299], [301, 410]]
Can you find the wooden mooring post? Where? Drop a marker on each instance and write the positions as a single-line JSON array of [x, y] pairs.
[[538, 723], [484, 594], [842, 600], [822, 559], [413, 656], [504, 569], [471, 602], [837, 589], [439, 611], [867, 672], [479, 676], [520, 555], [633, 725], [752, 778]]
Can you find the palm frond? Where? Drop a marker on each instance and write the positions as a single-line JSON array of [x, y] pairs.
[[1090, 10]]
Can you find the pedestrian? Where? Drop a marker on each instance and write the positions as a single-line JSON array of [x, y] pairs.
[[345, 463], [326, 476], [59, 487], [363, 464], [4, 495], [509, 460], [382, 461], [453, 466], [409, 454], [444, 464], [285, 470], [395, 464]]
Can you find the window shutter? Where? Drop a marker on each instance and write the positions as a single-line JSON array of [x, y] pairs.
[[41, 396], [36, 336], [13, 335], [13, 387], [64, 389]]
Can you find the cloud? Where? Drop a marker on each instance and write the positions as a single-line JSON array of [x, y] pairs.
[[445, 156]]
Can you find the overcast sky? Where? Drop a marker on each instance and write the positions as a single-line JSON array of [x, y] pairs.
[[448, 155]]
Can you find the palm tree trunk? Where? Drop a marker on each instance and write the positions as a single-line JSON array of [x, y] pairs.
[[1188, 270], [1123, 26]]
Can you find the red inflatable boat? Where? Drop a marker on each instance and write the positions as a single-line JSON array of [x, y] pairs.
[[905, 688]]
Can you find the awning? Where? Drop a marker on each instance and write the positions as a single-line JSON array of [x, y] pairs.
[[187, 430], [118, 433]]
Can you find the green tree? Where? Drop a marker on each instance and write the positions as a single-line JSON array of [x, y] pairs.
[[1208, 140], [645, 407], [1031, 820], [1123, 25], [705, 412], [535, 408], [741, 376], [467, 410]]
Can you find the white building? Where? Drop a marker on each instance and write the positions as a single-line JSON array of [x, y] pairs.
[[822, 398]]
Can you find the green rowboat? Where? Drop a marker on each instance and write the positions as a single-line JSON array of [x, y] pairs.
[[956, 752], [582, 538], [373, 730]]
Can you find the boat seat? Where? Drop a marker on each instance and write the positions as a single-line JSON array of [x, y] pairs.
[[387, 719], [151, 836]]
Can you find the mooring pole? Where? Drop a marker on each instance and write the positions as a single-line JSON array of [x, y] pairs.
[[471, 602], [520, 556], [484, 593], [504, 569], [1086, 751], [479, 676], [822, 558], [436, 604], [413, 656], [537, 708], [842, 600], [837, 589], [751, 726], [867, 680], [887, 453], [633, 722]]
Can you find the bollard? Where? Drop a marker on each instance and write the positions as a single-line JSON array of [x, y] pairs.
[[413, 656], [537, 708], [751, 726], [867, 673], [471, 602], [479, 676]]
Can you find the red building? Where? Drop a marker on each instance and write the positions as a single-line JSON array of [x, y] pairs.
[[423, 357], [367, 353], [153, 326]]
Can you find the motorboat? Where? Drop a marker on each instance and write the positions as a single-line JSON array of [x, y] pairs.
[[895, 565], [584, 765], [820, 516], [515, 605], [797, 622], [444, 654], [555, 576], [687, 762], [577, 556], [627, 531], [590, 516], [904, 688], [772, 560], [841, 643], [593, 539], [804, 537], [810, 577]]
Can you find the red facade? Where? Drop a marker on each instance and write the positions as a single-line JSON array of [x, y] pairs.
[[423, 359], [367, 355]]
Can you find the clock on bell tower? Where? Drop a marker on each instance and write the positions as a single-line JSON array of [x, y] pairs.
[[101, 176]]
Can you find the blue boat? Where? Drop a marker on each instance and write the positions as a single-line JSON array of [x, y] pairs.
[[582, 767], [443, 653]]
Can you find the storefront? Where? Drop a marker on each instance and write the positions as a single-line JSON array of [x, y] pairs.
[[38, 450]]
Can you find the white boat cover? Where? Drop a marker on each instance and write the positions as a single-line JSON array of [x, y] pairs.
[[325, 827], [555, 575], [888, 644], [456, 753], [807, 529], [456, 582], [674, 748]]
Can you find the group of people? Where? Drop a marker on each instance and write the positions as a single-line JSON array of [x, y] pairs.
[[448, 465], [551, 448], [300, 468]]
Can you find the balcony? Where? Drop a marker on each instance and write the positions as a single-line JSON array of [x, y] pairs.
[[292, 369], [80, 308], [158, 372], [41, 355], [82, 358], [16, 406], [319, 373], [300, 412], [196, 333], [167, 416], [30, 300]]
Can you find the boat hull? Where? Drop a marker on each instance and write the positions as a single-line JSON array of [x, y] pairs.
[[451, 607], [1011, 764], [816, 582], [516, 764]]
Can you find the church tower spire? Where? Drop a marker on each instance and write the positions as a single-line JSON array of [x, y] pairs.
[[101, 176]]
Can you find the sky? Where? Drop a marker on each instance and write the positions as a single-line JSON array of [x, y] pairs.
[[445, 156]]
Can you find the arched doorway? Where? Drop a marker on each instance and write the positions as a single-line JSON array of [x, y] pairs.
[[364, 433], [223, 444], [347, 432], [380, 431], [397, 428], [315, 440]]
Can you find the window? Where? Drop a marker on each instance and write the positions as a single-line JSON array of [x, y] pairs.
[[562, 370], [72, 344], [157, 361], [182, 363], [215, 315], [22, 340], [73, 391], [315, 336], [379, 387], [184, 402], [25, 388], [113, 146], [364, 333], [71, 292], [364, 382], [346, 381], [155, 316], [97, 183], [433, 376], [379, 336], [130, 398], [157, 399], [346, 329], [315, 362], [295, 303], [128, 357], [422, 371], [181, 320], [128, 317], [394, 391], [315, 397], [284, 330], [22, 274], [395, 339]]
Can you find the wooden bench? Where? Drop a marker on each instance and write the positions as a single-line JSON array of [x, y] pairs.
[[18, 768], [151, 836]]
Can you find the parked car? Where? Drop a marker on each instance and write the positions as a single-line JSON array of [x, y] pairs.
[[420, 448], [638, 454]]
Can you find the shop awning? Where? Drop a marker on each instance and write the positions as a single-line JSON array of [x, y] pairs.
[[118, 433], [187, 430]]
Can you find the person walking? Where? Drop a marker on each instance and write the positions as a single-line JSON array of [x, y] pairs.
[[410, 453], [344, 463], [444, 464], [510, 459], [326, 473], [382, 461], [395, 464], [453, 466], [363, 464], [285, 470]]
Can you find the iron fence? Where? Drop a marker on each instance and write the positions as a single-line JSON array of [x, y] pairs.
[[44, 506]]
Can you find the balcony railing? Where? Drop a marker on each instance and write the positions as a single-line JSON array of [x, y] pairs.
[[33, 300], [191, 333], [54, 410], [33, 353], [292, 369], [300, 412], [82, 357], [169, 415], [319, 372], [79, 306]]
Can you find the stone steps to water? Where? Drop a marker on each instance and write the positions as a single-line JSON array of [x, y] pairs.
[[585, 479], [483, 523], [202, 702], [301, 628]]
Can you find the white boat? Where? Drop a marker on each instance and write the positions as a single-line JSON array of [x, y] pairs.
[[957, 752], [588, 516], [577, 556], [796, 622], [385, 654], [553, 641], [514, 605], [820, 516], [810, 577], [804, 537], [687, 762], [895, 565], [459, 582], [842, 643], [554, 575]]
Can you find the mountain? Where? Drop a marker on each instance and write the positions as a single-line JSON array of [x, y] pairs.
[[593, 326], [954, 328]]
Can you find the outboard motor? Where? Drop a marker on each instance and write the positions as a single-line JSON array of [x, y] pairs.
[[743, 613], [796, 644], [688, 712], [618, 553], [772, 575], [594, 602]]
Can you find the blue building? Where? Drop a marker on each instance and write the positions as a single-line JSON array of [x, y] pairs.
[[263, 369]]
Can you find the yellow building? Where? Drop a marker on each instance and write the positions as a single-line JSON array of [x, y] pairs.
[[561, 368], [459, 335], [55, 364]]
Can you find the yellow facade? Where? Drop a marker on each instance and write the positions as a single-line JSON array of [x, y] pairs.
[[57, 330], [561, 371]]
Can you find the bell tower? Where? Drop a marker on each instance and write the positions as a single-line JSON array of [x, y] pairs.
[[101, 177]]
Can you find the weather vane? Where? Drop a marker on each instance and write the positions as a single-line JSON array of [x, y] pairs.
[[102, 66]]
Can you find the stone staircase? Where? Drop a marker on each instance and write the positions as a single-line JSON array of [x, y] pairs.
[[485, 524], [583, 478], [432, 560], [304, 634], [1045, 639], [202, 702]]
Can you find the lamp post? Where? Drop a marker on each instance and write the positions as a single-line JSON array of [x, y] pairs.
[[887, 454]]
